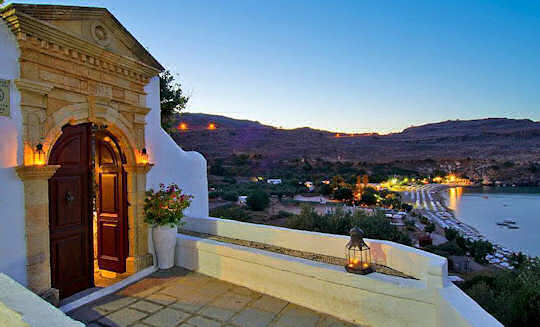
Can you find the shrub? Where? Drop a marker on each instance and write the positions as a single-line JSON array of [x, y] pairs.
[[407, 207], [165, 207], [284, 214], [230, 196], [258, 200], [450, 234], [325, 189], [479, 249], [213, 195], [233, 212], [430, 228], [229, 180], [368, 197], [341, 222], [513, 297], [343, 194]]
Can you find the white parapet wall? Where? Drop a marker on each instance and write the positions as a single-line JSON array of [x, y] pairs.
[[371, 300], [21, 307], [430, 268]]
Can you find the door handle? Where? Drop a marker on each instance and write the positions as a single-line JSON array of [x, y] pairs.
[[69, 198]]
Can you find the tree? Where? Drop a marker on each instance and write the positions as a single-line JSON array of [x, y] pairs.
[[172, 99], [479, 249], [217, 169], [343, 194], [258, 200], [430, 228], [337, 182], [325, 189], [230, 196], [368, 196], [450, 234], [407, 207]]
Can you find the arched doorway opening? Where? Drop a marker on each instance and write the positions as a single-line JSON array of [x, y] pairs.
[[88, 208]]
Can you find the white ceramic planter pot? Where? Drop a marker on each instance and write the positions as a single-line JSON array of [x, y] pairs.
[[164, 243]]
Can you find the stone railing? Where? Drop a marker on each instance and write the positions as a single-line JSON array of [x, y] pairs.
[[373, 300]]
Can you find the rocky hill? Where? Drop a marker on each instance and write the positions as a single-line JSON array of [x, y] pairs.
[[493, 138]]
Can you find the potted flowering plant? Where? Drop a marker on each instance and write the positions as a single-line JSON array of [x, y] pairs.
[[163, 210]]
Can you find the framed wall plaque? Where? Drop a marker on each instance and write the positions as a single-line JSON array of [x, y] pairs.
[[4, 97]]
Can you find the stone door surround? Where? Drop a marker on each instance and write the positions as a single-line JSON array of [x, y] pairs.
[[68, 78]]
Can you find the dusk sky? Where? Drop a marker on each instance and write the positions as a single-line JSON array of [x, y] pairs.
[[353, 66]]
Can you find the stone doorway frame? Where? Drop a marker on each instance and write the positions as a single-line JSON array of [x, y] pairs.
[[68, 76], [35, 179]]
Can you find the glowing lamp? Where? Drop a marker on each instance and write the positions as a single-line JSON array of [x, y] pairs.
[[39, 155], [358, 254], [144, 156], [211, 126], [182, 126]]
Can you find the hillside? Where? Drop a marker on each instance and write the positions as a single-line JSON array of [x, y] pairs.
[[493, 138]]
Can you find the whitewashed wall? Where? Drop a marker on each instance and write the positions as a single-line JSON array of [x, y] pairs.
[[12, 241], [172, 164]]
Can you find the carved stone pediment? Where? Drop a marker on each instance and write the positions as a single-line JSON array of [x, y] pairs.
[[94, 25]]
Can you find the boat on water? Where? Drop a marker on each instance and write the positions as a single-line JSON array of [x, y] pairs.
[[513, 227], [508, 221]]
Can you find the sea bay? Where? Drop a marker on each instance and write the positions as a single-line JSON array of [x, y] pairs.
[[484, 207]]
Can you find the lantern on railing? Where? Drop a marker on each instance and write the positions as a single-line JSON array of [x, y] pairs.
[[39, 155], [358, 254]]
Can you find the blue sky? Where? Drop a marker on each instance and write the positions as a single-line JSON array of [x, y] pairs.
[[353, 66]]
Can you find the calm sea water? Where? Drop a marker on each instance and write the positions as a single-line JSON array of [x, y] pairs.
[[483, 207]]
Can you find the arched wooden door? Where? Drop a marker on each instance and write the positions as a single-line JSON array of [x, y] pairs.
[[70, 207], [111, 203], [70, 213]]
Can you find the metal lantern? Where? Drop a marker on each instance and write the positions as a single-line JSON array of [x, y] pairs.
[[39, 155], [358, 254], [144, 156]]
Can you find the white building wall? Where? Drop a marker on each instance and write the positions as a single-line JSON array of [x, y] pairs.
[[12, 235], [172, 164]]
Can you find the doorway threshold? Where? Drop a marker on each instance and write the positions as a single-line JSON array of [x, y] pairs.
[[90, 295]]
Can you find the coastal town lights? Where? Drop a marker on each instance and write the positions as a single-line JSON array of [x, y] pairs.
[[358, 254]]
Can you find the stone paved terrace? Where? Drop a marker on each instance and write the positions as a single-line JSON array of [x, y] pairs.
[[178, 297]]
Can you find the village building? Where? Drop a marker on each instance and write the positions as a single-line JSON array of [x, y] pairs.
[[81, 143]]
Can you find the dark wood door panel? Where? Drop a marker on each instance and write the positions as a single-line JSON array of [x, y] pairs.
[[70, 225], [111, 205], [70, 153], [109, 235], [69, 254], [109, 193], [68, 209]]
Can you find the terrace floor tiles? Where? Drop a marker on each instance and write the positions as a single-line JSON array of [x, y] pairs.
[[178, 297]]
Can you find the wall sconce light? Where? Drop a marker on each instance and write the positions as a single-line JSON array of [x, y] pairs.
[[144, 156], [39, 155], [358, 254]]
